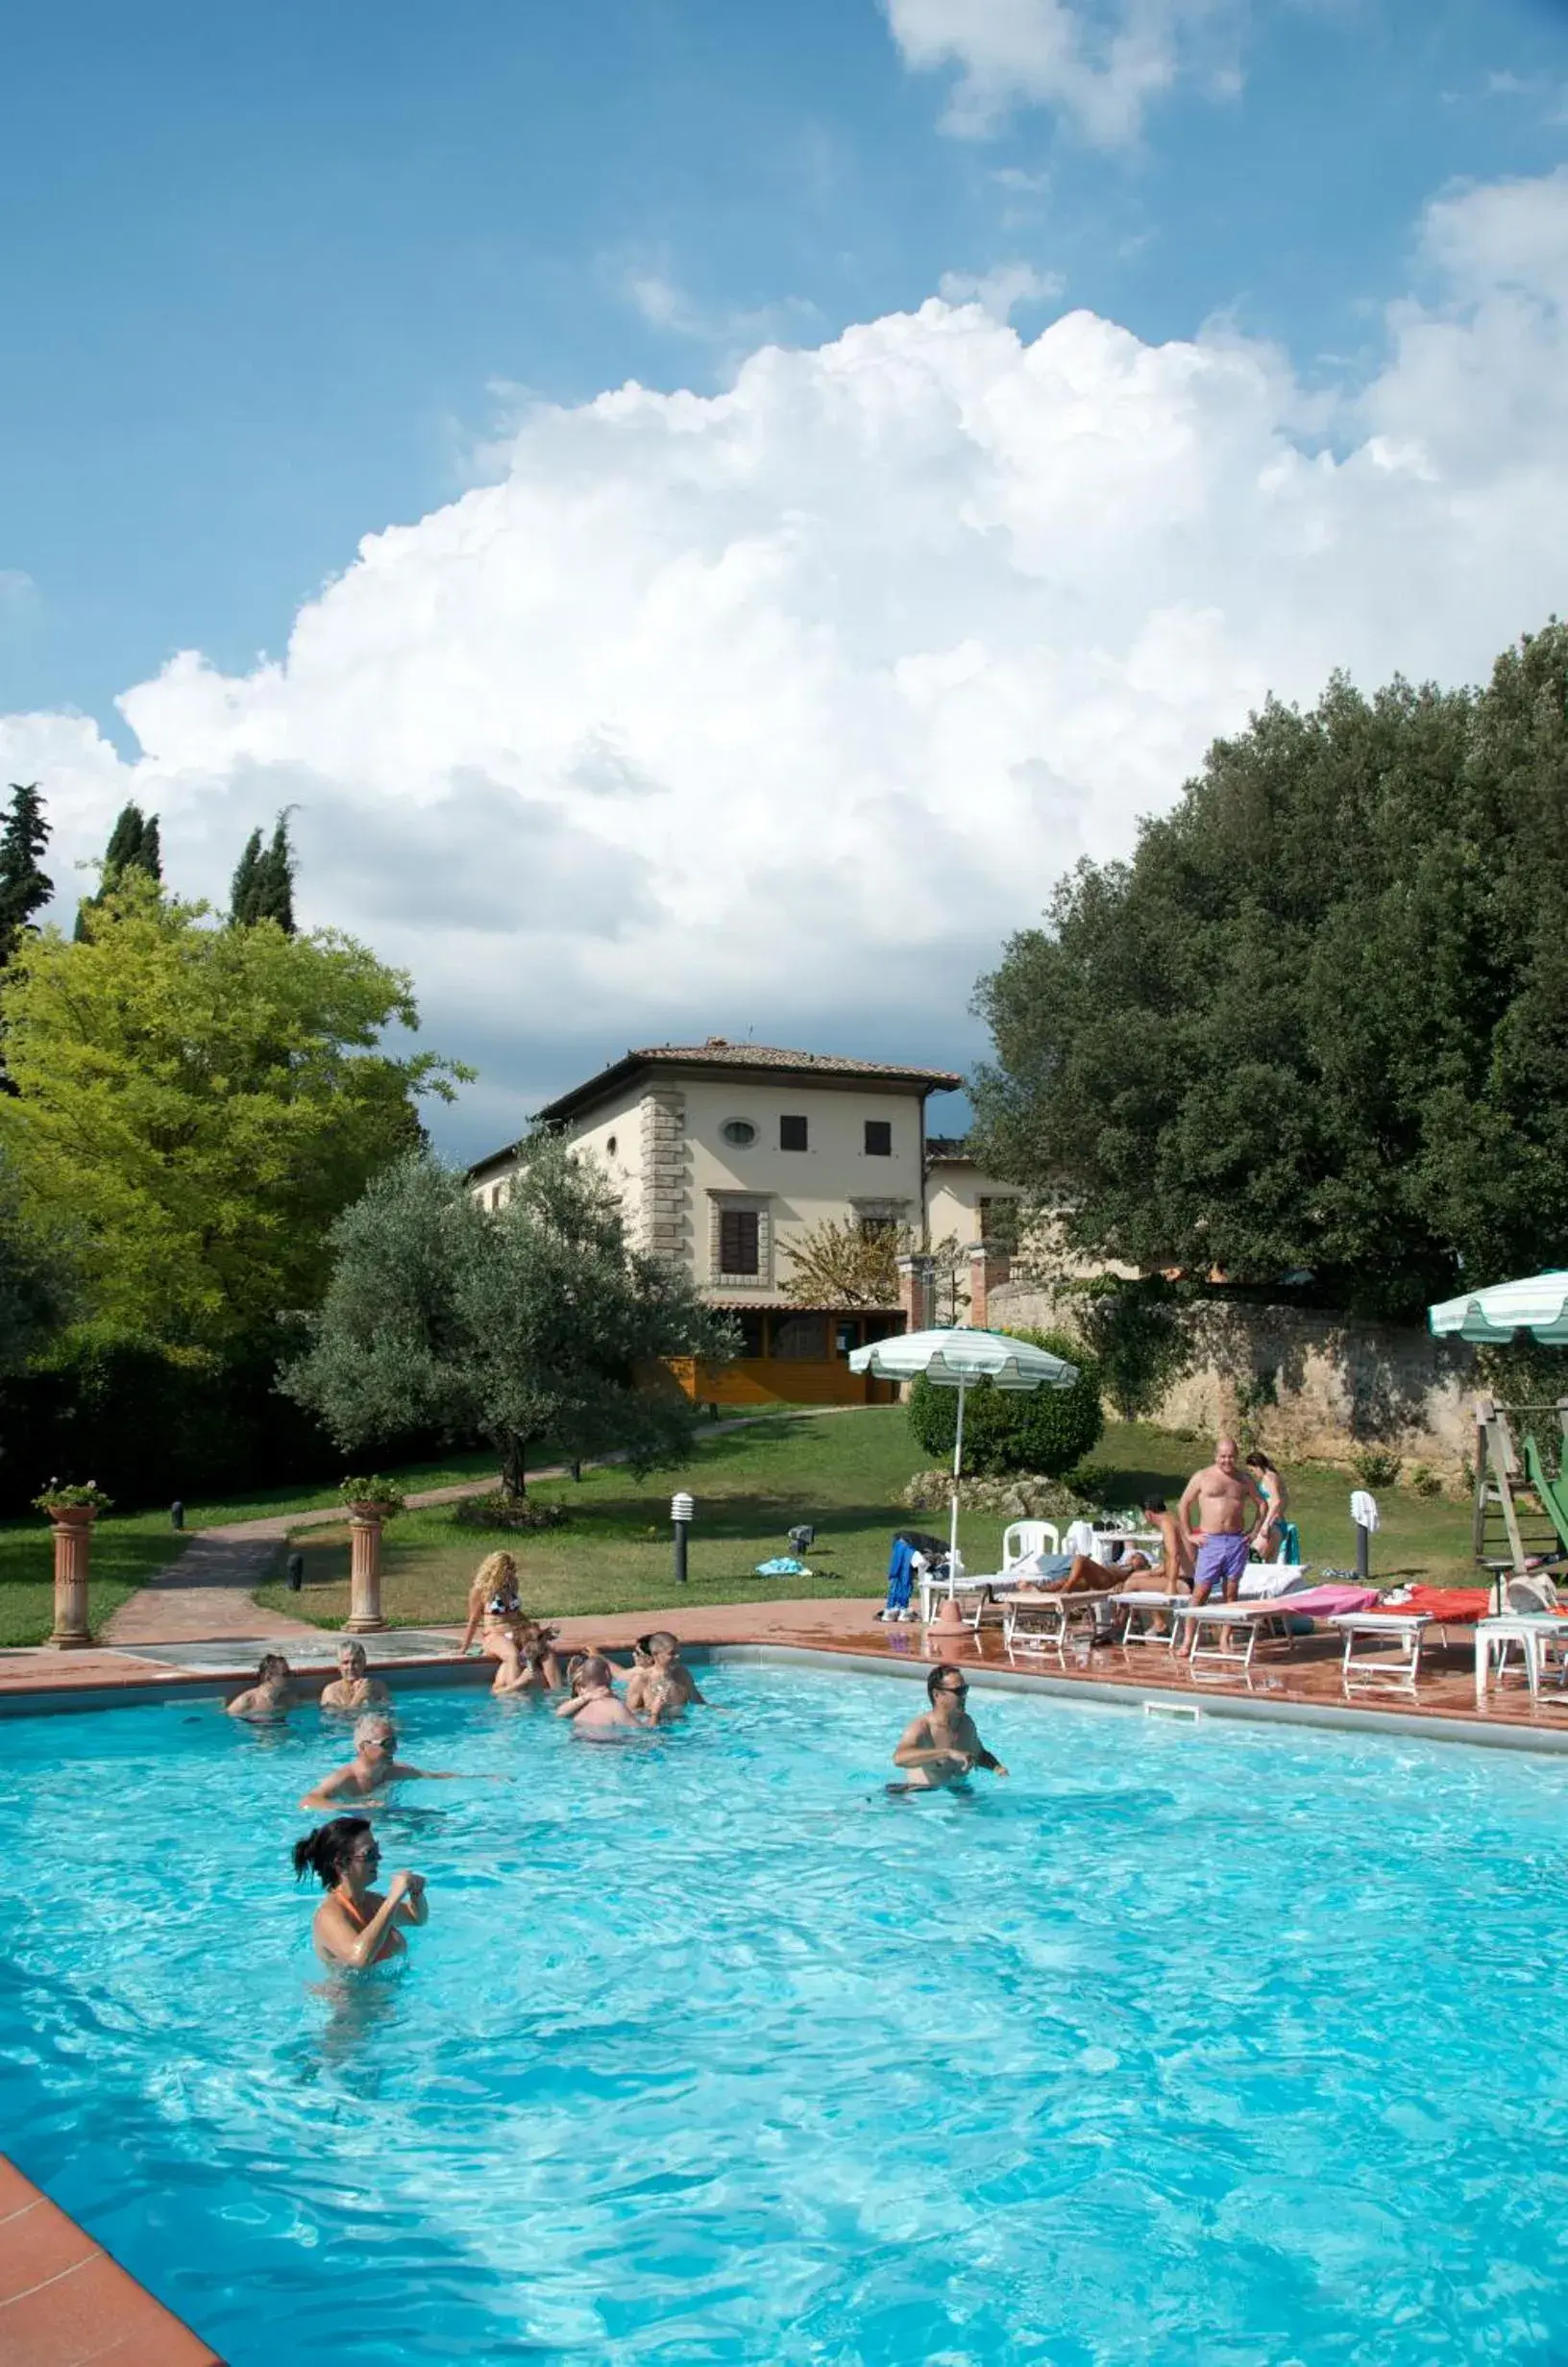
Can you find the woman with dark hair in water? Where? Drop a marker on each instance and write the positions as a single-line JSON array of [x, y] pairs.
[[354, 1925]]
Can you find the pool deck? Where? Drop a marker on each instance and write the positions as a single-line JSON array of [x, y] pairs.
[[64, 2301]]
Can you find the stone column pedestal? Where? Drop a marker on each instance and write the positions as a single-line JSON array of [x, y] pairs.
[[72, 1526], [365, 1570]]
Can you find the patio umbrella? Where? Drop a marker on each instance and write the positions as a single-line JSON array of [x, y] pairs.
[[957, 1360], [1537, 1304]]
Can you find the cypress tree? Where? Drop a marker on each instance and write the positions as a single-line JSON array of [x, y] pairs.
[[243, 892], [263, 886], [133, 845], [24, 889], [274, 880]]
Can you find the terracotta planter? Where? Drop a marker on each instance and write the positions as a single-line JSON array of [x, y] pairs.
[[72, 1525], [365, 1570]]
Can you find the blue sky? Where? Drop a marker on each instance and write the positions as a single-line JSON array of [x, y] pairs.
[[275, 280], [271, 273]]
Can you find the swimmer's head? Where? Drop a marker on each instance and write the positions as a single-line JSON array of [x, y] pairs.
[[945, 1680], [376, 1737], [643, 1648], [662, 1647], [344, 1846], [351, 1659], [496, 1569], [592, 1673], [273, 1669]]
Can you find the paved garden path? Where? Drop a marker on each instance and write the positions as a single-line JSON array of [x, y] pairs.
[[209, 1592]]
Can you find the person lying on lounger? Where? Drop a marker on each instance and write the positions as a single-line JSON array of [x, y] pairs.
[[941, 1748], [375, 1765], [1075, 1573]]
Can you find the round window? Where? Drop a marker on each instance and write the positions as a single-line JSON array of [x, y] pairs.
[[740, 1131]]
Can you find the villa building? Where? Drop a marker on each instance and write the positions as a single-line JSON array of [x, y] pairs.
[[723, 1154]]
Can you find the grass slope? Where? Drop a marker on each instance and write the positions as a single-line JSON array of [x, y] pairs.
[[843, 1471]]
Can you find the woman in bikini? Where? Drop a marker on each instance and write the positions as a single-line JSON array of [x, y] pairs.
[[1269, 1534], [354, 1925], [495, 1613]]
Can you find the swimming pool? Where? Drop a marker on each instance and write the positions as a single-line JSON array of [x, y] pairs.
[[1229, 2044]]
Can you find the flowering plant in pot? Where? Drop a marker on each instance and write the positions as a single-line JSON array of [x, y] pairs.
[[86, 1498], [371, 1493]]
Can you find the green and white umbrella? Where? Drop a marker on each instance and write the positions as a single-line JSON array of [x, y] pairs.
[[957, 1360], [1537, 1304]]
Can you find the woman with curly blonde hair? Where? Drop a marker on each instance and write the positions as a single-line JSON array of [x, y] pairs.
[[494, 1608]]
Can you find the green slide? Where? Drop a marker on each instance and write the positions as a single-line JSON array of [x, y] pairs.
[[1552, 1493]]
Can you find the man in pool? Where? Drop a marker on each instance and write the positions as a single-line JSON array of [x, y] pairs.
[[1230, 1504], [594, 1708], [941, 1749], [375, 1765], [269, 1698], [354, 1688], [661, 1684]]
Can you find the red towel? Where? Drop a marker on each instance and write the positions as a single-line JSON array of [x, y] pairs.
[[1456, 1606]]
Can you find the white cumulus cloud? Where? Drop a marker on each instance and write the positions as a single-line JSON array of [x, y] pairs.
[[1100, 63], [781, 707]]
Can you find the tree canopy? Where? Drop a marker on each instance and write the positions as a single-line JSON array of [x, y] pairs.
[[528, 1323], [1319, 1022], [196, 1104]]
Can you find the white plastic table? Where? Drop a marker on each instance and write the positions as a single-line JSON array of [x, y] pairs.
[[1359, 1671], [1530, 1629]]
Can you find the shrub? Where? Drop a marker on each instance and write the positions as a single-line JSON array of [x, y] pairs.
[[1425, 1481], [1093, 1483], [1375, 1468], [1042, 1430], [499, 1511]]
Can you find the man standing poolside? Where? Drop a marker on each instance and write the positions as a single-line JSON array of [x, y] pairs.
[[1229, 1506]]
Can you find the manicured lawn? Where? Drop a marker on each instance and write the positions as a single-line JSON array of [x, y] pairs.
[[124, 1553], [841, 1472]]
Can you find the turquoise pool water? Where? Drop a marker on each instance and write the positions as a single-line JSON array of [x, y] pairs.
[[1228, 2046]]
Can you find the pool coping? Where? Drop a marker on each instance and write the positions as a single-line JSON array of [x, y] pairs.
[[65, 2299], [174, 1685]]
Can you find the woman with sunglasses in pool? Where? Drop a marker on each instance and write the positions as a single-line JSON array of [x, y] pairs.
[[354, 1925], [939, 1749]]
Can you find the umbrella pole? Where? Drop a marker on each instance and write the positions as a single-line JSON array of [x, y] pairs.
[[958, 1465]]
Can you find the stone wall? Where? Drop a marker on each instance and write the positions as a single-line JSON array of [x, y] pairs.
[[1303, 1384]]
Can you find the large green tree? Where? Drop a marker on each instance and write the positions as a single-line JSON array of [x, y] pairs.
[[197, 1104], [1319, 1022], [533, 1321]]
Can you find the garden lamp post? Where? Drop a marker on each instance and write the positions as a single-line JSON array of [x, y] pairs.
[[681, 1509]]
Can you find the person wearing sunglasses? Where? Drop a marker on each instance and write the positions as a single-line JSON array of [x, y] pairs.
[[939, 1749]]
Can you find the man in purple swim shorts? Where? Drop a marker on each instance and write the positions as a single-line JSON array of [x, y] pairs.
[[1228, 1508]]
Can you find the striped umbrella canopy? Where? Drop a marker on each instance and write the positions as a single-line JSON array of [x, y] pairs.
[[957, 1360], [1538, 1304]]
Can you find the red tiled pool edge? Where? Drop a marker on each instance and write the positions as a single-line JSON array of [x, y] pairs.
[[65, 2300]]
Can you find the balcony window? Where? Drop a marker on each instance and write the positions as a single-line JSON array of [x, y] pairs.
[[879, 1138], [739, 1242], [792, 1134]]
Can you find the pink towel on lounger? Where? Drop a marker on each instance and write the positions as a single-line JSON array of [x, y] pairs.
[[1325, 1602]]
